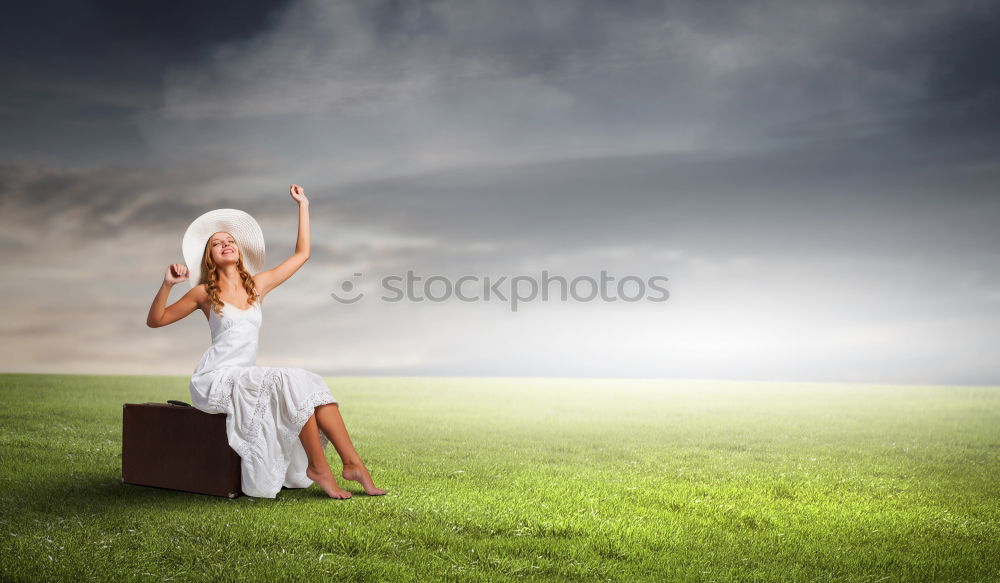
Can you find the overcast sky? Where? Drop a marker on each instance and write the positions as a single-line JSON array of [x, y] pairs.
[[817, 180]]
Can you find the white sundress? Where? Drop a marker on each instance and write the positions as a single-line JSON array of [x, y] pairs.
[[265, 407]]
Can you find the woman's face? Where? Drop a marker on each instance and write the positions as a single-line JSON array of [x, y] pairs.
[[223, 248]]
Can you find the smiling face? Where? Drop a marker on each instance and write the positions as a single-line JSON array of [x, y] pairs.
[[222, 247]]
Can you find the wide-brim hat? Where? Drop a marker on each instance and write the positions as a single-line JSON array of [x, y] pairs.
[[243, 228]]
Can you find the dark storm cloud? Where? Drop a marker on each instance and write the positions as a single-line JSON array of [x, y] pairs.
[[74, 72], [821, 200], [868, 153], [74, 82], [74, 38], [98, 202], [110, 202], [527, 37], [963, 97], [940, 48]]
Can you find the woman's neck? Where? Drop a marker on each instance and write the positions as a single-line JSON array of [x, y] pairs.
[[229, 278]]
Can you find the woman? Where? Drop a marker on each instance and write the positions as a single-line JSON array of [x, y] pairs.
[[279, 419]]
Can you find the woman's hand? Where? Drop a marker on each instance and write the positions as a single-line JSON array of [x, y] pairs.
[[176, 273], [298, 194]]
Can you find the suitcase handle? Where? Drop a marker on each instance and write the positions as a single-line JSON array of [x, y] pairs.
[[178, 403]]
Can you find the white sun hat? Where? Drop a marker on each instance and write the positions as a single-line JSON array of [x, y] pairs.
[[243, 228]]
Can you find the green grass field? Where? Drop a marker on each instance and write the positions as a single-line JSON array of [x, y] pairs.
[[541, 479]]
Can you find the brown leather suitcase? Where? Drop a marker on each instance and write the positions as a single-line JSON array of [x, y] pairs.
[[178, 447]]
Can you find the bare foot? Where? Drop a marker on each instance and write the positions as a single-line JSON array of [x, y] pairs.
[[326, 481], [359, 473]]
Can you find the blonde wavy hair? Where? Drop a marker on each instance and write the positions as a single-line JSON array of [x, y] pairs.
[[210, 277]]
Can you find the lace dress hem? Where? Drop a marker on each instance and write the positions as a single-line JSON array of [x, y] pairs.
[[249, 447]]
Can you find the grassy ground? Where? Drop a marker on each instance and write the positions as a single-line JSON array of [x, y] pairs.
[[492, 479]]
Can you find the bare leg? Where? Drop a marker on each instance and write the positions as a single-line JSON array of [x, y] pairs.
[[319, 470], [332, 424]]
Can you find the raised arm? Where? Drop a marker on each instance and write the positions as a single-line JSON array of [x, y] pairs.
[[159, 314], [272, 278]]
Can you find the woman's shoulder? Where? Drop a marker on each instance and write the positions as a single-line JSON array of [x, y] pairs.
[[200, 295]]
